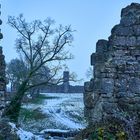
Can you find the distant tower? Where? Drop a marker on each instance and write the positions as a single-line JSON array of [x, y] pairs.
[[66, 81], [2, 65]]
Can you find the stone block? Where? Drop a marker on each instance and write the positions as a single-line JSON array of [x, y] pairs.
[[128, 20], [120, 47], [123, 41], [134, 85], [109, 75], [136, 29], [130, 41], [109, 70], [97, 85], [92, 59], [88, 86], [129, 59], [88, 114], [121, 85], [118, 40], [120, 53], [120, 94], [136, 100], [109, 107], [120, 30], [98, 58], [1, 52], [138, 41], [135, 53], [89, 99], [107, 85], [102, 46], [118, 62], [137, 67], [109, 65], [129, 69]]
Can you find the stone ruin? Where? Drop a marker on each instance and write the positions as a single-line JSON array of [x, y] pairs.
[[2, 74], [114, 92], [2, 65]]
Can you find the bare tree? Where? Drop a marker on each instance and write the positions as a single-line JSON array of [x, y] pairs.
[[39, 45]]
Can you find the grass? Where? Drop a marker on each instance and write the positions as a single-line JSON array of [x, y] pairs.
[[36, 114], [27, 114]]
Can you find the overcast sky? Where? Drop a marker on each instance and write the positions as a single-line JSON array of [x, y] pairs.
[[93, 20]]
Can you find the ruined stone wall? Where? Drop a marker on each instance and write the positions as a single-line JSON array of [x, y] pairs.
[[2, 72], [115, 89], [2, 65]]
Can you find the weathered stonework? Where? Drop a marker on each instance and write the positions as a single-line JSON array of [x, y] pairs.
[[115, 90], [2, 74]]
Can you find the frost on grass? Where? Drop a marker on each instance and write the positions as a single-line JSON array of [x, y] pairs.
[[63, 111], [24, 135]]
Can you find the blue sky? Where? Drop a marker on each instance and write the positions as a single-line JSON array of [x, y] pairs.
[[93, 20]]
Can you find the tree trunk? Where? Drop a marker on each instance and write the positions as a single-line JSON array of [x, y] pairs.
[[13, 109]]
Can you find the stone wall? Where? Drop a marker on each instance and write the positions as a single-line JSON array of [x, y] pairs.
[[2, 74], [114, 92], [2, 64]]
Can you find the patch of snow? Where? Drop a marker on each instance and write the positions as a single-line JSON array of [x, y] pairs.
[[60, 117], [54, 130], [24, 135], [62, 110], [29, 96]]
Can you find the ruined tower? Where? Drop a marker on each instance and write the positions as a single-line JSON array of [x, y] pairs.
[[66, 81], [114, 92]]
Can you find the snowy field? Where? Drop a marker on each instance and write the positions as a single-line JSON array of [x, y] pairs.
[[63, 111]]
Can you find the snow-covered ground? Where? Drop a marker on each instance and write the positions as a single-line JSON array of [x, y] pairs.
[[63, 111], [24, 135]]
